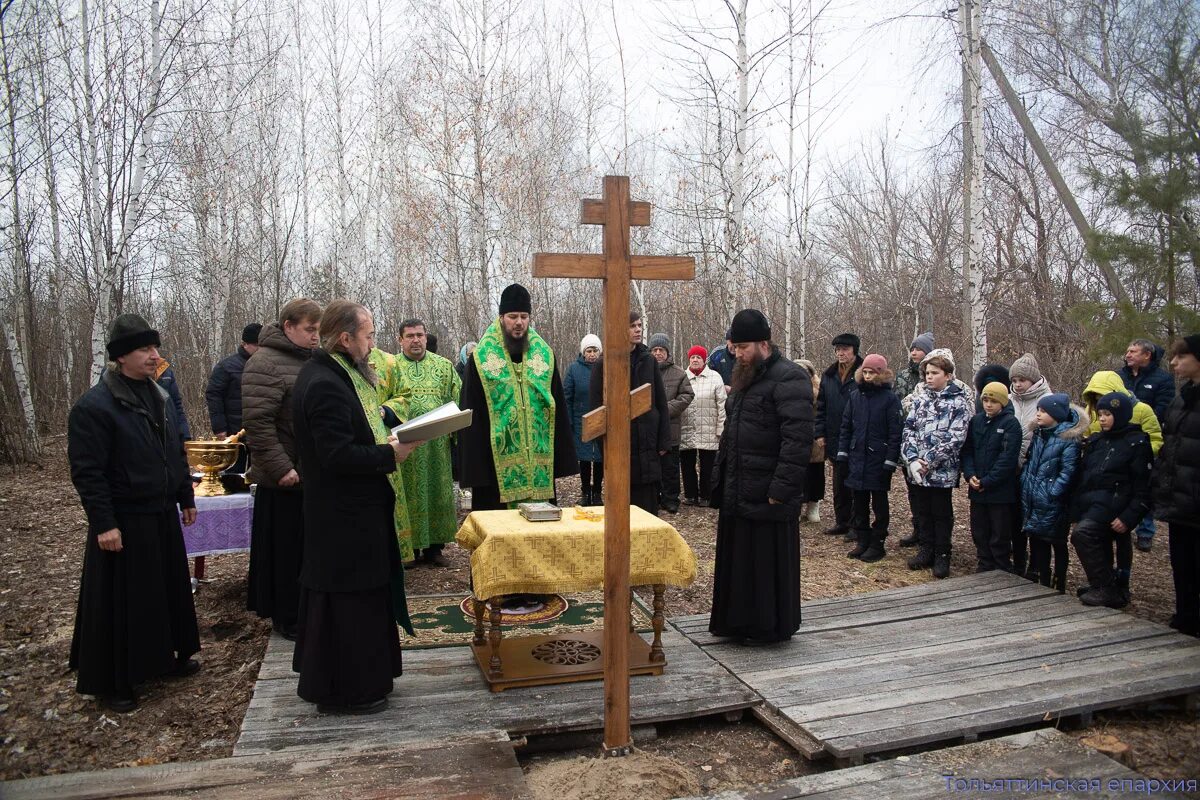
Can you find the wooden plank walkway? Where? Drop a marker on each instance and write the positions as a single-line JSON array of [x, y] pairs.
[[948, 660], [442, 694], [1036, 755], [480, 767]]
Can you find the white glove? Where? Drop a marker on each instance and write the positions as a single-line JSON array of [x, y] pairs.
[[916, 470]]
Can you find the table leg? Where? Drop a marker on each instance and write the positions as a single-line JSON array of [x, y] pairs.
[[656, 649], [199, 572], [479, 606], [495, 668]]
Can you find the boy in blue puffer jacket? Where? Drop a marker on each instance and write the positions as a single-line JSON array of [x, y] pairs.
[[1045, 483], [990, 457]]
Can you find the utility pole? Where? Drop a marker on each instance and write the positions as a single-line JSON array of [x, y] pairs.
[[974, 313], [1111, 279]]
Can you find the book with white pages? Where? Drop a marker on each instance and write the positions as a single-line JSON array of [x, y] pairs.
[[441, 421]]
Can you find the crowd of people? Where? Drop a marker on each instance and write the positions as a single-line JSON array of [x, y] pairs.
[[341, 506]]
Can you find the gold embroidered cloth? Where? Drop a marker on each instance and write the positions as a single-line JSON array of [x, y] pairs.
[[510, 555]]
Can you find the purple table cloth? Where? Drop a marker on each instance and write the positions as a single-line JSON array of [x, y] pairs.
[[222, 525]]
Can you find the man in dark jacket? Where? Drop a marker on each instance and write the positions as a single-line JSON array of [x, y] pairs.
[[224, 393], [135, 620], [679, 396], [650, 434], [1110, 496], [1143, 376], [1155, 387], [837, 382], [1176, 476], [165, 377], [758, 485], [721, 362], [351, 597]]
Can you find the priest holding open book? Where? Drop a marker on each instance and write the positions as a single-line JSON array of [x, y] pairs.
[[414, 382]]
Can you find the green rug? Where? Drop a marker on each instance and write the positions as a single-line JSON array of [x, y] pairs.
[[441, 620]]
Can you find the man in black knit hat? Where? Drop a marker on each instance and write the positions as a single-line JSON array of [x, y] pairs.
[[519, 439], [837, 382], [136, 620], [758, 485]]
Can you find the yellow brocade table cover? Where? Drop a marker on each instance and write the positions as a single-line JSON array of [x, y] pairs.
[[511, 555]]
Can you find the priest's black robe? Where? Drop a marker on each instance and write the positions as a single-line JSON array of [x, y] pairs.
[[758, 484], [135, 617]]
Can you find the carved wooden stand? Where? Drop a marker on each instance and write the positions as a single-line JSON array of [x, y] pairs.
[[558, 658]]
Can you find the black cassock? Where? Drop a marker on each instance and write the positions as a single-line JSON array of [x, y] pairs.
[[476, 469], [347, 646], [764, 455], [135, 616]]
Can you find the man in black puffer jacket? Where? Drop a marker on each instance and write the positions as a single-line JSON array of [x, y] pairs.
[[223, 396], [650, 434], [1111, 494], [837, 383], [758, 485], [1176, 477]]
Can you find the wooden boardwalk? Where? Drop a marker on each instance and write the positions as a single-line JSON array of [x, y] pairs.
[[480, 767], [948, 660], [1038, 755], [442, 695]]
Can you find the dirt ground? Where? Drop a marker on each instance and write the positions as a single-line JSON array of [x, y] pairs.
[[45, 727]]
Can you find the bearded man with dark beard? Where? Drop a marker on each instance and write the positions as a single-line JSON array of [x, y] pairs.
[[758, 485], [519, 439]]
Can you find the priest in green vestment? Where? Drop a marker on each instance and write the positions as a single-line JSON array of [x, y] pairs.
[[519, 439], [418, 381]]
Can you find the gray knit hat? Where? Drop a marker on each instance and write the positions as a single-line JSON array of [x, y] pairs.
[[660, 340], [924, 342], [1025, 367]]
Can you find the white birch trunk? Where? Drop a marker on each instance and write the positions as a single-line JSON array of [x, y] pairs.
[[974, 310], [737, 180], [135, 204], [15, 324]]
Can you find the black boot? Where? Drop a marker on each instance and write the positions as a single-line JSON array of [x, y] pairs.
[[585, 499], [912, 540], [942, 532], [836, 530], [863, 538], [875, 552], [923, 559], [1103, 596]]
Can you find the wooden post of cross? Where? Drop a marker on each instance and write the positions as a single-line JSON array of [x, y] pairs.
[[616, 267]]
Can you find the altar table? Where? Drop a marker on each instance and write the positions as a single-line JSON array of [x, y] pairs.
[[222, 526], [511, 555]]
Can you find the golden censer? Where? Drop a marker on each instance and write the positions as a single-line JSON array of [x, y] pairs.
[[211, 457]]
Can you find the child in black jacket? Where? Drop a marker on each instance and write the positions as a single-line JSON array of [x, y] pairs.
[[989, 458], [1111, 495]]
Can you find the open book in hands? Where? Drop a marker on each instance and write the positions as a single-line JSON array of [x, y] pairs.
[[443, 420]]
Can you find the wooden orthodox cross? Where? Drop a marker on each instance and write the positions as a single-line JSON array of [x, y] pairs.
[[616, 267]]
